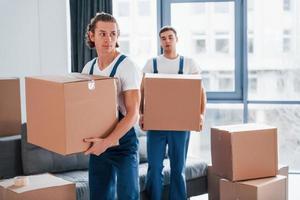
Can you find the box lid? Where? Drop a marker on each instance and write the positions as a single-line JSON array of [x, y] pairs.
[[263, 181], [173, 76], [35, 182], [244, 127], [8, 78], [70, 78]]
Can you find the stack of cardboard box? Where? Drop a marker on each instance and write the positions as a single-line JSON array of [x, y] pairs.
[[245, 164]]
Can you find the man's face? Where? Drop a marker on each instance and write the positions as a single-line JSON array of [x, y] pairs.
[[105, 36], [168, 40]]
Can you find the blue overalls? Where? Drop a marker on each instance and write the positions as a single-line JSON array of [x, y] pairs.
[[119, 162], [177, 142]]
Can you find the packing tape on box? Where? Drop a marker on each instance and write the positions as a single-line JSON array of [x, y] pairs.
[[20, 181]]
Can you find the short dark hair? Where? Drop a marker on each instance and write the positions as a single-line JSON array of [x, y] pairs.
[[103, 17], [167, 28]]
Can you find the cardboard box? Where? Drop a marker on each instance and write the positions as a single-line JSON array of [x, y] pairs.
[[172, 102], [10, 106], [214, 181], [273, 188], [213, 184], [245, 151], [44, 186], [284, 171], [63, 110]]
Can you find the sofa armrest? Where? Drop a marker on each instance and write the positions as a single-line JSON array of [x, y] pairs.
[[10, 156]]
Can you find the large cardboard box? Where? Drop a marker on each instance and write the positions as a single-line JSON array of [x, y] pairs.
[[63, 110], [44, 186], [245, 151], [273, 188], [172, 102], [214, 181], [10, 106]]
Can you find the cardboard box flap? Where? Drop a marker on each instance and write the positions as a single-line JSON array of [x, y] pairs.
[[35, 182], [8, 78], [174, 76], [70, 78], [263, 181], [244, 127]]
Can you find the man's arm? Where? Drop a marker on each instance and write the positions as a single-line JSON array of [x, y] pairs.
[[132, 102]]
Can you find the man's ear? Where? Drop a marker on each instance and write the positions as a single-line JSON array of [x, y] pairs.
[[91, 36]]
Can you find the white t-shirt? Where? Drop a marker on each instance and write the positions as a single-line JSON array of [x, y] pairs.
[[128, 75], [171, 66]]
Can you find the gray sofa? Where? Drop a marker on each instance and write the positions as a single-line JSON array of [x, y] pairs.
[[17, 157]]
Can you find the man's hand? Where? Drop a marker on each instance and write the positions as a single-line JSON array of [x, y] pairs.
[[99, 146]]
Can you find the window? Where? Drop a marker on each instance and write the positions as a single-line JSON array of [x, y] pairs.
[[286, 5], [250, 45], [144, 7], [137, 21], [124, 46], [144, 47], [225, 82], [222, 42], [199, 43], [280, 84], [210, 41], [222, 45], [123, 8], [286, 41], [250, 5], [253, 85], [200, 46], [250, 42], [297, 85], [221, 7], [198, 9], [287, 120]]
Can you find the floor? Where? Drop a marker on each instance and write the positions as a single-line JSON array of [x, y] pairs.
[[294, 189]]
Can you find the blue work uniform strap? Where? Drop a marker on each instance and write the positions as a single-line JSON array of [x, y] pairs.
[[155, 71], [92, 66], [114, 70], [181, 65]]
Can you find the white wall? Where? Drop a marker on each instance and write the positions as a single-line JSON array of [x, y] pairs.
[[34, 39]]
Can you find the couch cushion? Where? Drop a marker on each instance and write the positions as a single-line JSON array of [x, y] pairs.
[[38, 160], [194, 169], [10, 156]]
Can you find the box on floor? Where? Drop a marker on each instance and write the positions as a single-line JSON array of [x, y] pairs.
[[214, 181], [43, 186], [274, 188], [244, 151]]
